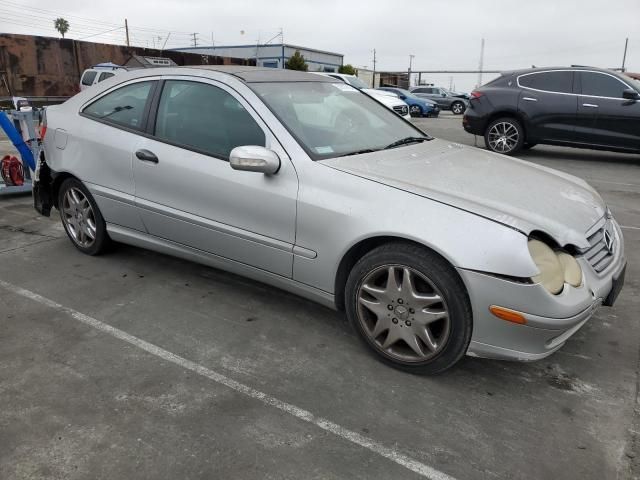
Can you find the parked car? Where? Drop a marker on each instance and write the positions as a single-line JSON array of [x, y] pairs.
[[418, 107], [442, 97], [286, 178], [98, 73], [576, 107], [387, 98]]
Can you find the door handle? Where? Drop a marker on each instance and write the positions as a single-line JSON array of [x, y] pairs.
[[590, 105], [529, 99], [146, 156]]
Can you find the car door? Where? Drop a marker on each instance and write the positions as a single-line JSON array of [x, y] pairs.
[[605, 118], [187, 192], [548, 104]]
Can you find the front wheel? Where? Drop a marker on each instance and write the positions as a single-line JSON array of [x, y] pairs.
[[81, 218], [458, 108], [415, 111], [410, 308], [504, 135]]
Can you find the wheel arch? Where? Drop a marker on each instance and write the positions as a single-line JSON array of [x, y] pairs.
[[364, 246], [58, 179]]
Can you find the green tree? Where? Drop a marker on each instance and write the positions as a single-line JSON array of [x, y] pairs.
[[296, 62], [348, 69], [61, 25]]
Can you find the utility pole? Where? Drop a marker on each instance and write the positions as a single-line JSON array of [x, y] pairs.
[[126, 29], [624, 56], [195, 39], [409, 71], [481, 64], [373, 81]]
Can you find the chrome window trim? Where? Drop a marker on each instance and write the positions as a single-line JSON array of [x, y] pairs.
[[573, 94]]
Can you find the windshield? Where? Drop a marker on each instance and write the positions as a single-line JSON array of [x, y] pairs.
[[333, 119], [356, 82]]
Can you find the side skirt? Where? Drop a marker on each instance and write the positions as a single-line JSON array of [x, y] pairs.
[[143, 240]]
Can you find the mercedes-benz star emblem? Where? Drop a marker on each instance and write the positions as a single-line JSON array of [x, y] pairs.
[[608, 240]]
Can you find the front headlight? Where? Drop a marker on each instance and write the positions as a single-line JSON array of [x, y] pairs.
[[556, 267]]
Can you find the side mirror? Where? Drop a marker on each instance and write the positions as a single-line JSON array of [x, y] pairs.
[[252, 158], [402, 97], [444, 94], [630, 94]]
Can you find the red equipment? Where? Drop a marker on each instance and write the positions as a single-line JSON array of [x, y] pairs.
[[12, 171]]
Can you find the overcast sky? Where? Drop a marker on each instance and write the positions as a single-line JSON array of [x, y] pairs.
[[441, 34]]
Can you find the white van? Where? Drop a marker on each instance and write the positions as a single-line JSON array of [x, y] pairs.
[[98, 73]]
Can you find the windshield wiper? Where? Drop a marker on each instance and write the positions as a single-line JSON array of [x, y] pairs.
[[405, 141], [358, 152]]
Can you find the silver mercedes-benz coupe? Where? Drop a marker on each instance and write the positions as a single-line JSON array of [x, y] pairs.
[[434, 250]]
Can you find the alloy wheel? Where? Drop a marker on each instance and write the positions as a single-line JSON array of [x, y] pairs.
[[402, 313], [503, 137], [457, 108], [78, 217], [415, 110]]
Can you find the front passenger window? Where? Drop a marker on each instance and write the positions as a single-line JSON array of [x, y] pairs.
[[204, 118]]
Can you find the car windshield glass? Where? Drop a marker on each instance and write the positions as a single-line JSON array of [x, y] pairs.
[[356, 82], [333, 119]]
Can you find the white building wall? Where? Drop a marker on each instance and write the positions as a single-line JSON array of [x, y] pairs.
[[272, 55]]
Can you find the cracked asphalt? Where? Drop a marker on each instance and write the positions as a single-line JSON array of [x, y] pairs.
[[76, 402]]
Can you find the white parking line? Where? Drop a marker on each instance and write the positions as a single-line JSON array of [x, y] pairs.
[[354, 437], [629, 228]]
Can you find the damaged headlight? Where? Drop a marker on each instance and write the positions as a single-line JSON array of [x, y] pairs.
[[556, 267]]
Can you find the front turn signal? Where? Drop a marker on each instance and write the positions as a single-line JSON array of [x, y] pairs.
[[508, 315]]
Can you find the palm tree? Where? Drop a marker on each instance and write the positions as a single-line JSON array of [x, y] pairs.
[[61, 25]]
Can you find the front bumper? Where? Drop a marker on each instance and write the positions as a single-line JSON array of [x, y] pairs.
[[556, 317]]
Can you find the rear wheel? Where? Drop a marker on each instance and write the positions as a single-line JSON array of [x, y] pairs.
[[410, 308], [81, 218], [458, 108], [504, 135]]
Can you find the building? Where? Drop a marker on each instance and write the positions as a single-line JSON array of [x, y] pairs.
[[273, 55], [34, 66]]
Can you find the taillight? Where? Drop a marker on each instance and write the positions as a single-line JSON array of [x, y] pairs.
[[475, 95], [43, 126]]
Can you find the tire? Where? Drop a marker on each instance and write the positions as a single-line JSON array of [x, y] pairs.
[[504, 135], [81, 218], [415, 111], [458, 108], [528, 146], [432, 311]]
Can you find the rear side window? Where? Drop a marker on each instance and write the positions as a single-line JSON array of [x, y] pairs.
[[124, 106], [204, 118], [421, 90], [601, 85], [88, 77], [104, 76], [559, 82]]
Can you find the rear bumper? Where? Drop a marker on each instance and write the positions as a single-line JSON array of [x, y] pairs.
[[472, 123]]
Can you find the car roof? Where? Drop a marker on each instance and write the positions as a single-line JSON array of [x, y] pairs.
[[545, 69], [247, 74]]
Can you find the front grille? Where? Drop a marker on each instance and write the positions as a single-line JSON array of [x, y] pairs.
[[401, 110], [599, 254]]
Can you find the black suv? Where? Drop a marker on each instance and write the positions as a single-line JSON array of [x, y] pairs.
[[577, 107]]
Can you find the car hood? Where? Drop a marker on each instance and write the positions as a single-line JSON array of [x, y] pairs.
[[513, 192]]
